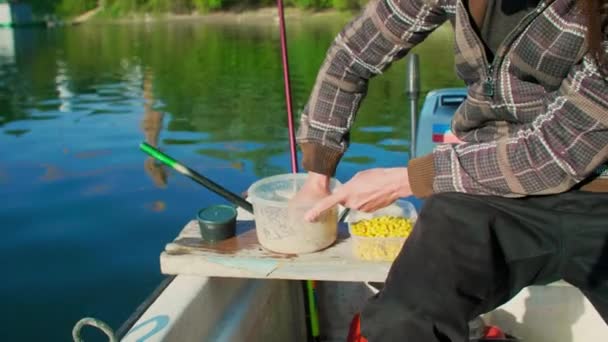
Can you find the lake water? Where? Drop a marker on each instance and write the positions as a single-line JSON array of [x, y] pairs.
[[85, 214]]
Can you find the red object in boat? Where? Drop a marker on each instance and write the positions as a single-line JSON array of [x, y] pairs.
[[354, 333], [493, 332]]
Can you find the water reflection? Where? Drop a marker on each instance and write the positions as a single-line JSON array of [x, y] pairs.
[[62, 81], [51, 173], [151, 124], [4, 178], [220, 83], [7, 46], [76, 102]]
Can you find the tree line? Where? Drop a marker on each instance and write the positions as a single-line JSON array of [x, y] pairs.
[[117, 8]]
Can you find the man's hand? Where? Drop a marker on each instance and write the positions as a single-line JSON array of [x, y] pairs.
[[315, 188], [367, 191]]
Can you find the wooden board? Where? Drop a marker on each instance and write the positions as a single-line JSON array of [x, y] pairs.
[[243, 257]]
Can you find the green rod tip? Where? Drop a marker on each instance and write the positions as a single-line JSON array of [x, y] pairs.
[[156, 154]]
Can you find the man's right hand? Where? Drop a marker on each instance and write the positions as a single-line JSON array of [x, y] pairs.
[[315, 188]]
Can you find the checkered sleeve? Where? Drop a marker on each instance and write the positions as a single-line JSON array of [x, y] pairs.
[[559, 149], [383, 33]]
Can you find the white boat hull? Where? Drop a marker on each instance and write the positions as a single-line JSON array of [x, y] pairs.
[[223, 309], [228, 309]]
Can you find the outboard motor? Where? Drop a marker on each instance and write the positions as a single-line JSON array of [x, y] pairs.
[[436, 117], [433, 124]]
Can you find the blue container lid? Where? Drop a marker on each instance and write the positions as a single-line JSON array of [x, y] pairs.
[[217, 214]]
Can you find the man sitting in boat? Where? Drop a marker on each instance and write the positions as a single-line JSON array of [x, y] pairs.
[[522, 199]]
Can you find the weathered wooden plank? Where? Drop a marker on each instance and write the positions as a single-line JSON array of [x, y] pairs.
[[243, 257]]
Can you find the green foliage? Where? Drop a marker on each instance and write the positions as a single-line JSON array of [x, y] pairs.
[[181, 6], [267, 2], [311, 4], [74, 7], [158, 6], [207, 5], [343, 5], [43, 6], [117, 8]]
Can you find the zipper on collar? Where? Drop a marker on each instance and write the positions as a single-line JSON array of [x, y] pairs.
[[488, 84], [489, 87]]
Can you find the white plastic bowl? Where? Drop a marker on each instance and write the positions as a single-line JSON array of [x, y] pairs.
[[280, 225]]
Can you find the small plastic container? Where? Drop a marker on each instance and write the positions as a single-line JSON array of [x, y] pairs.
[[380, 248], [280, 224], [217, 222]]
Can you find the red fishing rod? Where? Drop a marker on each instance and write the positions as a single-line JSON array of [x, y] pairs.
[[287, 84], [309, 287]]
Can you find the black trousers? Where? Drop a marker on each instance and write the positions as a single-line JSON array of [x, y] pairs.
[[469, 254]]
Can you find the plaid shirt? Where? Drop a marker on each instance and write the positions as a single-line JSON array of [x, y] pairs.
[[535, 120]]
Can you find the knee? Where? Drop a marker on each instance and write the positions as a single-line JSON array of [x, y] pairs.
[[451, 220], [441, 210]]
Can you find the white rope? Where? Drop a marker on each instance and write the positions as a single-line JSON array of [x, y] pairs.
[[94, 322]]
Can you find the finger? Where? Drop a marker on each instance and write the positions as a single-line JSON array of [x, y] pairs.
[[323, 205], [368, 207], [364, 208], [355, 203]]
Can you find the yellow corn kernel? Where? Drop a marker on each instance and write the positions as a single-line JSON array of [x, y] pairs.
[[380, 249], [383, 226]]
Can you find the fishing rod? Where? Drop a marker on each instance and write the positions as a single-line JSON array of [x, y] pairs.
[[197, 177], [287, 86], [309, 288]]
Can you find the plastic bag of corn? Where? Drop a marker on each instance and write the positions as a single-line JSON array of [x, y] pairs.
[[379, 236]]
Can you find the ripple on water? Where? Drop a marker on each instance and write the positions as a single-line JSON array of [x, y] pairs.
[[4, 178], [89, 154], [377, 129], [16, 132], [52, 173], [184, 137], [360, 160], [49, 102], [395, 142]]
